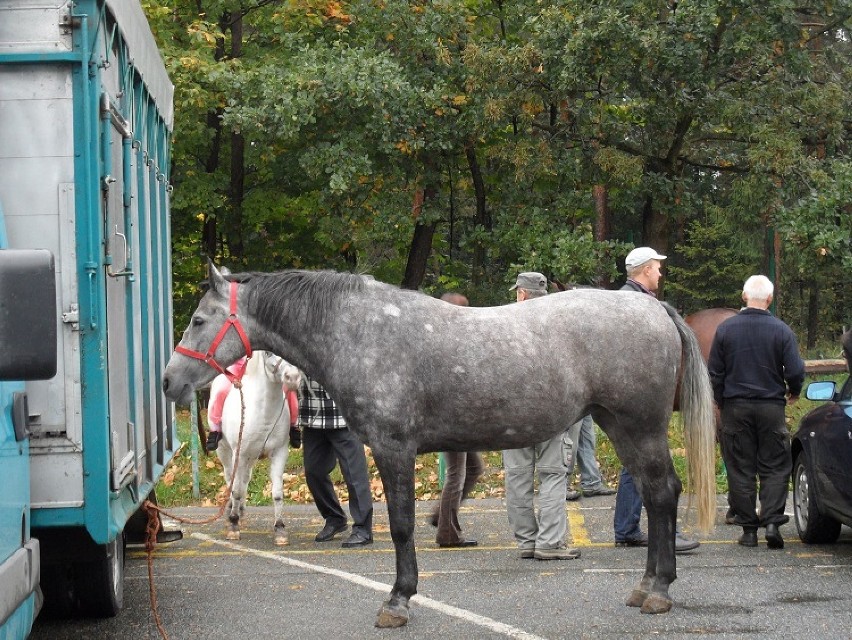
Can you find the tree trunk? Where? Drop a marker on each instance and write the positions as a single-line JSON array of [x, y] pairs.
[[421, 241], [655, 234], [237, 187], [236, 195], [603, 224], [482, 217]]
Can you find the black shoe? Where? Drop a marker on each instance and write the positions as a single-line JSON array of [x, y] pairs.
[[730, 517], [357, 539], [212, 441], [295, 437], [773, 537], [641, 541], [749, 538], [602, 490], [461, 543], [329, 531], [572, 495]]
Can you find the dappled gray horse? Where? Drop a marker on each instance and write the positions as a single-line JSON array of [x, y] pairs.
[[414, 374]]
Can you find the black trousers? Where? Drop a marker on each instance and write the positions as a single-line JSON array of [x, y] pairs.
[[756, 447], [323, 449]]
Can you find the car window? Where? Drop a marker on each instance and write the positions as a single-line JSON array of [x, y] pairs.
[[846, 391]]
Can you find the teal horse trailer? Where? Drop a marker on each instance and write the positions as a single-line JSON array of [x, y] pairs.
[[85, 130]]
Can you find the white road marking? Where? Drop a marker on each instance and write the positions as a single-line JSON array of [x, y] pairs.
[[492, 625]]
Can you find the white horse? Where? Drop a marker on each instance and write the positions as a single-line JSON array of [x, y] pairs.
[[266, 430]]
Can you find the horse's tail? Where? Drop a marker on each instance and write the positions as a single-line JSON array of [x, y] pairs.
[[696, 406]]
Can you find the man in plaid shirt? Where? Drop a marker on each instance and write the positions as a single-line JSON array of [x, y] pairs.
[[327, 440]]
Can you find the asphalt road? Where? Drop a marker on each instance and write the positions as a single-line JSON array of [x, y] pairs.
[[207, 587]]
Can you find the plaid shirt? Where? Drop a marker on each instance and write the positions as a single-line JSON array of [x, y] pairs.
[[316, 409]]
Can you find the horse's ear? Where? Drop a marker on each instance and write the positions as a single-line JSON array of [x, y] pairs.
[[217, 282]]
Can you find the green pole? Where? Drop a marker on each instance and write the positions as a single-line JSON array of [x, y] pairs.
[[193, 445]]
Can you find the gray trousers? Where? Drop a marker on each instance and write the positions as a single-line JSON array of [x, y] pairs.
[[552, 460]]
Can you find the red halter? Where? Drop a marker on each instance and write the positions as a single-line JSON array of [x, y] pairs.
[[231, 321]]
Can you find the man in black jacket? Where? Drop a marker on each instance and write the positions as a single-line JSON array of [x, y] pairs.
[[756, 370]]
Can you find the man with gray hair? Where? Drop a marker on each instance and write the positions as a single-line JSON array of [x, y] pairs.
[[542, 538], [756, 370]]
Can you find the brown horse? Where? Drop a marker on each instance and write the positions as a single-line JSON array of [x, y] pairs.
[[703, 324]]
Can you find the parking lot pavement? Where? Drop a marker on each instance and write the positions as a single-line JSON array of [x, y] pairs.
[[207, 587]]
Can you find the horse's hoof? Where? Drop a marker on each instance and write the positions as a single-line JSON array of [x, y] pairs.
[[233, 535], [281, 540], [392, 617], [655, 603], [637, 598]]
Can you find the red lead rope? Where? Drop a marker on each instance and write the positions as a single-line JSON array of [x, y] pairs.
[[231, 321]]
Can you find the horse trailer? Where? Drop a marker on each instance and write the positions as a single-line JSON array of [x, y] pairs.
[[85, 288]]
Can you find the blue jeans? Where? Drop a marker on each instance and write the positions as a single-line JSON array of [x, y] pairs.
[[628, 509], [590, 472]]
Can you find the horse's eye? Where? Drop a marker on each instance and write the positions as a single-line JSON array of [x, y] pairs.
[[197, 322]]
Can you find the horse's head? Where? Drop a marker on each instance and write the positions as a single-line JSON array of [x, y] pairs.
[[278, 369], [214, 339]]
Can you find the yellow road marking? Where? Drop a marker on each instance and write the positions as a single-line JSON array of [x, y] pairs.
[[577, 526]]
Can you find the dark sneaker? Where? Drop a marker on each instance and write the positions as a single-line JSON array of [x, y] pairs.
[[465, 542], [641, 541], [749, 538], [357, 539], [602, 490], [773, 537], [329, 531], [527, 554], [572, 495]]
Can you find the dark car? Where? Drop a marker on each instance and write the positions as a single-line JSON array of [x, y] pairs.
[[822, 464]]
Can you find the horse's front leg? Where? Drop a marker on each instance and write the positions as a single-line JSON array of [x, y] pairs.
[[278, 462], [397, 471], [652, 594], [242, 477]]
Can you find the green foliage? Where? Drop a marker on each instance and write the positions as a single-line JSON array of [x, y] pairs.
[[308, 132]]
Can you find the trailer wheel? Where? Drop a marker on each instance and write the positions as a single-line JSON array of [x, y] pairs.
[[99, 583]]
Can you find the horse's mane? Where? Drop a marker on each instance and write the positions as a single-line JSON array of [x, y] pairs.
[[316, 293]]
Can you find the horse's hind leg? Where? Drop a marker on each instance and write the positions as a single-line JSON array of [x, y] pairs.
[[397, 471], [661, 506], [643, 449], [660, 488], [278, 463]]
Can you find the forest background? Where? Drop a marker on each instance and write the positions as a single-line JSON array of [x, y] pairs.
[[448, 144]]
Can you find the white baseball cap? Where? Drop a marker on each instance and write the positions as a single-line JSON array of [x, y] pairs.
[[641, 255]]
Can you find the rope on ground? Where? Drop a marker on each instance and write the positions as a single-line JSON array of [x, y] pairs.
[[154, 521]]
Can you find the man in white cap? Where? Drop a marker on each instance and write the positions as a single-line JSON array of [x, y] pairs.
[[542, 537], [643, 266]]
